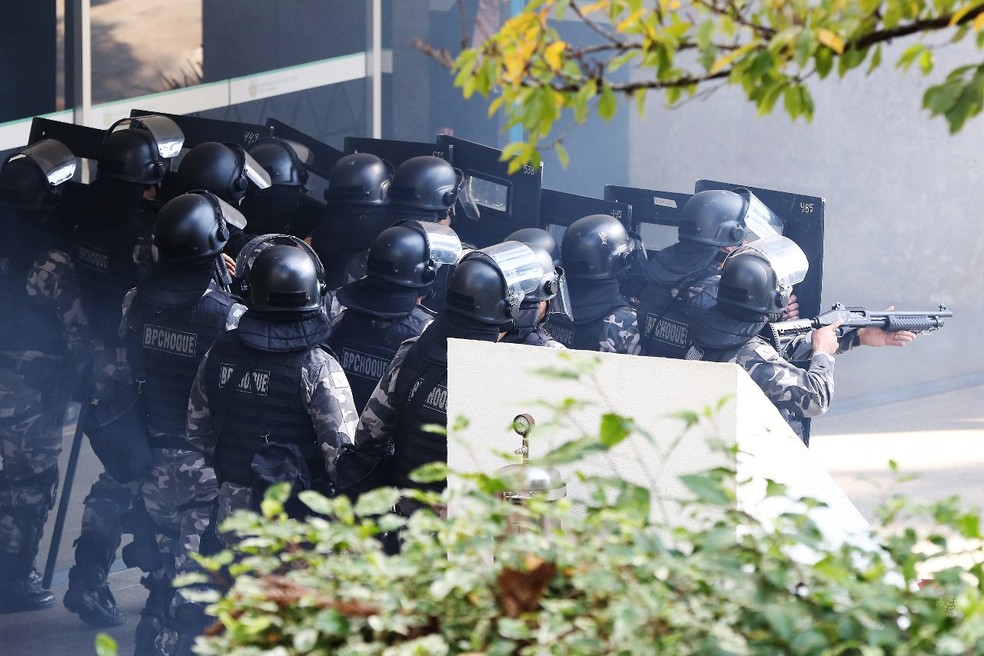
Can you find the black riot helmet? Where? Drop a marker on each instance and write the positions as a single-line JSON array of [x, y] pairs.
[[715, 217], [596, 247], [283, 279], [281, 160], [488, 285], [425, 185], [225, 169], [31, 179], [194, 226], [139, 150], [358, 179], [409, 253], [537, 238], [251, 251], [758, 278]]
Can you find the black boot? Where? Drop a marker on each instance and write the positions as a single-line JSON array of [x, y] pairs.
[[89, 597], [88, 594], [152, 617], [20, 585], [189, 621]]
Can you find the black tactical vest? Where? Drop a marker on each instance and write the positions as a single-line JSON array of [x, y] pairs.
[[582, 334], [365, 346], [106, 268], [256, 396], [667, 310], [165, 345], [422, 388], [26, 325]]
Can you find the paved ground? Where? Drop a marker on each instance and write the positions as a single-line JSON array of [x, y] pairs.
[[920, 406]]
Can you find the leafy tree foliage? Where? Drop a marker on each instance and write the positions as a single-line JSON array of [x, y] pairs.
[[770, 48]]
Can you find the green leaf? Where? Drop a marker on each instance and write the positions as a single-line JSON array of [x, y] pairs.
[[825, 61], [607, 103], [708, 489], [791, 101], [635, 500], [781, 619], [316, 501], [573, 451], [926, 61], [106, 645], [689, 418], [305, 640], [433, 472], [774, 489], [910, 55], [614, 429], [562, 156], [376, 502], [876, 59]]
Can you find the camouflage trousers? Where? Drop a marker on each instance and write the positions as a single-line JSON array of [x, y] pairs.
[[179, 493], [232, 497], [30, 443]]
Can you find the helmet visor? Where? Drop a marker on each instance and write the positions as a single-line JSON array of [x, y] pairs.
[[166, 133], [303, 153], [759, 219], [231, 215], [519, 266], [53, 157], [443, 243], [560, 303], [256, 173], [784, 256]]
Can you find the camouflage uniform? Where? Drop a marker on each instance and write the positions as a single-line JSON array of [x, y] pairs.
[[621, 332], [378, 421], [327, 398], [33, 396], [796, 392]]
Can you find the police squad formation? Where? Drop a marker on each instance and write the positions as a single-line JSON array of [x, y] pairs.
[[233, 312]]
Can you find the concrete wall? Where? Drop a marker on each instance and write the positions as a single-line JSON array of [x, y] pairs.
[[904, 197], [652, 391]]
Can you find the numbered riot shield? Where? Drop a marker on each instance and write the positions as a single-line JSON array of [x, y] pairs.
[[198, 130], [656, 214], [492, 202], [391, 151], [802, 221], [323, 156], [83, 141], [559, 209]]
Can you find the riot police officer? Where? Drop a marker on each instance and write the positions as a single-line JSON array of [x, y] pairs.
[[550, 296], [226, 170], [383, 308], [484, 295], [122, 203], [594, 252], [271, 379], [43, 334], [171, 320], [755, 288], [284, 207], [357, 196], [684, 276]]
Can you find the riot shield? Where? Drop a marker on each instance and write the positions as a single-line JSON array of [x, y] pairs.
[[323, 155], [505, 202], [391, 151], [83, 141], [559, 209], [199, 130], [656, 213], [802, 218]]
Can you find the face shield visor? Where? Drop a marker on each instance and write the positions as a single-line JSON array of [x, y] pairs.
[[760, 221], [442, 242], [470, 193], [560, 302], [784, 256], [303, 153], [166, 133], [519, 267], [254, 172], [54, 159]]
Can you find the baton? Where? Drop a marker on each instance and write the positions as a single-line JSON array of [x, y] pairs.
[[66, 495]]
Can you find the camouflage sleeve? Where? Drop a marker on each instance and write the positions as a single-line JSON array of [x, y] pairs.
[[379, 419], [236, 312], [328, 398], [621, 333], [540, 337], [799, 349], [127, 302], [52, 282], [796, 392], [200, 432]]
